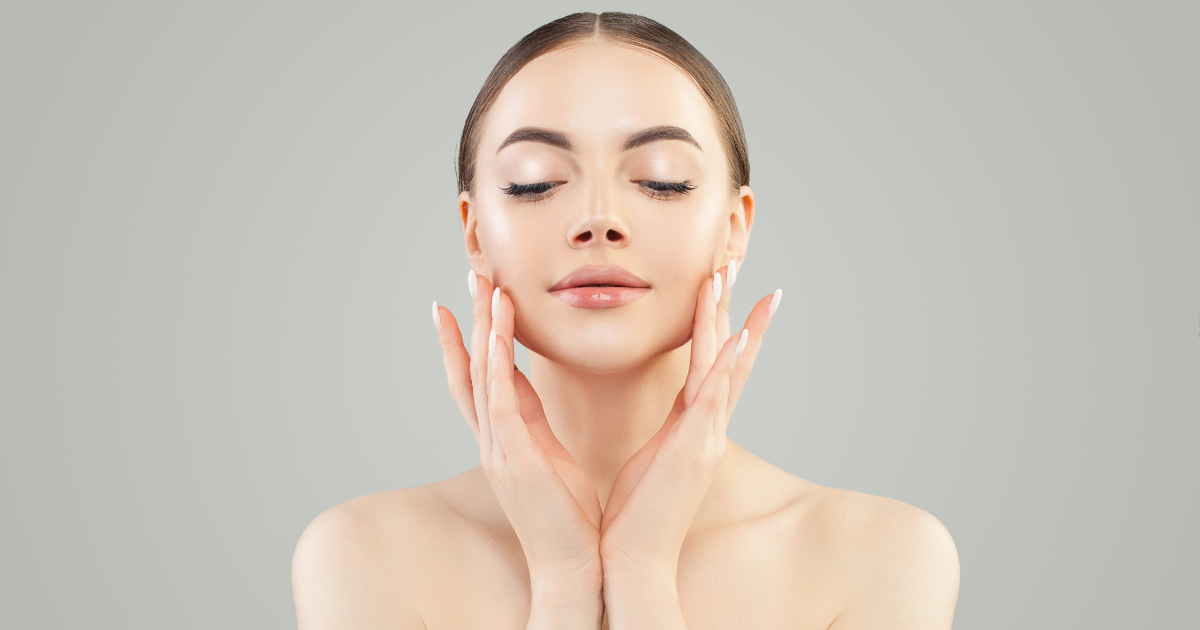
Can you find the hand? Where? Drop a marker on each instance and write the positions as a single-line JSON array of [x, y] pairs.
[[658, 492], [547, 497]]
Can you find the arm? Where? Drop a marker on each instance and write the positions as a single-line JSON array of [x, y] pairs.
[[640, 598], [544, 493], [565, 604], [908, 576], [341, 579], [658, 491]]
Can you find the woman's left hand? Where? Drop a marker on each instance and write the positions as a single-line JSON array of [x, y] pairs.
[[658, 492]]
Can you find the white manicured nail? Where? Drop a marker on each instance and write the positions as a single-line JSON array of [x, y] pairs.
[[732, 273], [495, 300], [437, 316], [742, 342], [472, 284], [492, 343], [775, 300], [716, 287]]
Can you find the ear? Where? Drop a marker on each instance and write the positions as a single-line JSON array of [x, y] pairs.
[[741, 220], [470, 231]]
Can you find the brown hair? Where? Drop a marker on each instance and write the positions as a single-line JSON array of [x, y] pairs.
[[624, 28]]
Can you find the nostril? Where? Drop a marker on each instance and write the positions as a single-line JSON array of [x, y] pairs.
[[614, 235], [585, 237]]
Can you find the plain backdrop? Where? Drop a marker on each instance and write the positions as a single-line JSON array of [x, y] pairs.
[[224, 222]]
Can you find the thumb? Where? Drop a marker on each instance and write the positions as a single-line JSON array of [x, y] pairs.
[[535, 416]]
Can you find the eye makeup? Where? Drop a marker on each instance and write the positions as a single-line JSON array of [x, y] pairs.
[[542, 190]]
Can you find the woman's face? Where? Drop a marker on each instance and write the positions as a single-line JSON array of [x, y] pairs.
[[586, 198]]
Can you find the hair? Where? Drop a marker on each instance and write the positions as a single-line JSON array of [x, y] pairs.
[[621, 28]]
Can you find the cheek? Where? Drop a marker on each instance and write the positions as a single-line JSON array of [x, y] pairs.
[[682, 259], [517, 260], [686, 250], [507, 241]]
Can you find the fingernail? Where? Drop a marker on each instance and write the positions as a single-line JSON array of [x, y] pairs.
[[742, 342], [775, 300], [492, 343], [437, 316], [472, 284], [495, 300], [732, 273], [716, 287]]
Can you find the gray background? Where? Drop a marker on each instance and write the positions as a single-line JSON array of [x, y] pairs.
[[223, 225]]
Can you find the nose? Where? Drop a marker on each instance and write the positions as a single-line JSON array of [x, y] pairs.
[[611, 235], [600, 225]]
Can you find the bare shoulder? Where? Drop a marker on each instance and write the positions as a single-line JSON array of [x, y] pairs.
[[900, 561], [355, 564]]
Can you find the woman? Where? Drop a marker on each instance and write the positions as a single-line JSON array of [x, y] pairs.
[[605, 205]]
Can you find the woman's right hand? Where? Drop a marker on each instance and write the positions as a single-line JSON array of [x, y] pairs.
[[547, 497]]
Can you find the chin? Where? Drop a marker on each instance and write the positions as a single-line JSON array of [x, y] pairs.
[[602, 350]]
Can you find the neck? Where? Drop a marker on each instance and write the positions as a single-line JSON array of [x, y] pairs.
[[603, 419]]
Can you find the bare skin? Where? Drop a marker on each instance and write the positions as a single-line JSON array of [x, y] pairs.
[[789, 554], [596, 494]]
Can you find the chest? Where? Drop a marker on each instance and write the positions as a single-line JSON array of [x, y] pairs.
[[754, 577]]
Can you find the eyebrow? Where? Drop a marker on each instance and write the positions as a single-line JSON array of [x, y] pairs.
[[558, 139]]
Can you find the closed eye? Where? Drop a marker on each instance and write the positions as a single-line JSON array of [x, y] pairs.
[[666, 190], [540, 190]]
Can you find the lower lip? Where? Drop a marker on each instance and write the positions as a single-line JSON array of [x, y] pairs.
[[600, 297]]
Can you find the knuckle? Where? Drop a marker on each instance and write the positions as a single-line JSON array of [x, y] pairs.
[[483, 307], [501, 472], [477, 373], [713, 451], [683, 457]]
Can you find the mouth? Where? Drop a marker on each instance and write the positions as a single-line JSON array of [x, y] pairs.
[[600, 286], [600, 276], [599, 296]]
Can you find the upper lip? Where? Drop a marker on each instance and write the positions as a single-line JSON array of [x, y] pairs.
[[600, 274]]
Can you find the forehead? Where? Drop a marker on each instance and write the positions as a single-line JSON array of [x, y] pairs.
[[598, 93]]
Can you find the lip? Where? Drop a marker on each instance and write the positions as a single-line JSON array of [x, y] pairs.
[[624, 288], [600, 297], [614, 275]]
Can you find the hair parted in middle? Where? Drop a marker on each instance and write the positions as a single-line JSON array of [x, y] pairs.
[[621, 28]]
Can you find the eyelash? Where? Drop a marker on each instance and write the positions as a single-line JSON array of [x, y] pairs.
[[540, 190]]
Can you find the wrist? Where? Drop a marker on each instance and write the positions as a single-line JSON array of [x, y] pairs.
[[553, 593], [635, 581], [642, 599], [560, 604], [652, 573]]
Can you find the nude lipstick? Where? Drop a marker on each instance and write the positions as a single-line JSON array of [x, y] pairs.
[[600, 286]]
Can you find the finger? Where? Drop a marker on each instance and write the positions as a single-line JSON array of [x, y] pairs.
[[703, 415], [757, 323], [503, 315], [482, 309], [502, 324], [704, 339], [511, 437], [722, 316], [535, 416], [458, 366]]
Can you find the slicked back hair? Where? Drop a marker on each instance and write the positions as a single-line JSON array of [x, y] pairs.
[[622, 28]]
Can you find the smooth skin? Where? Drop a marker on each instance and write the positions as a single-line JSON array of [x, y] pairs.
[[608, 494]]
